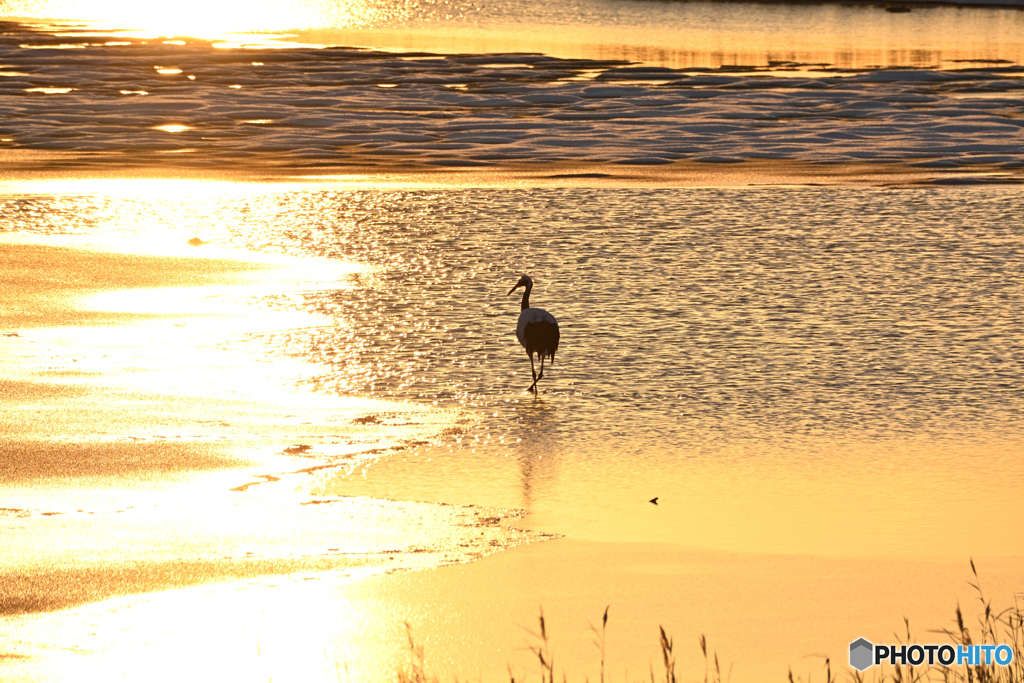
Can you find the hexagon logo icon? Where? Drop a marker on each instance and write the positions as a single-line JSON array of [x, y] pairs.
[[860, 654]]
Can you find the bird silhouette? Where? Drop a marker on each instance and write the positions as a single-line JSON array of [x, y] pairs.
[[537, 331], [653, 500]]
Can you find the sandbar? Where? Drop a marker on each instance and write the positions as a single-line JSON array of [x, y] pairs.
[[118, 481]]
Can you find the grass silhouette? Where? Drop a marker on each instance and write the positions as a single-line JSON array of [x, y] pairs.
[[1003, 627]]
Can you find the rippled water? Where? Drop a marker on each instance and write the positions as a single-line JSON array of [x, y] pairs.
[[717, 312], [778, 358]]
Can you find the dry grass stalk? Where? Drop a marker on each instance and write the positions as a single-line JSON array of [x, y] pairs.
[[416, 673], [1005, 627], [599, 638]]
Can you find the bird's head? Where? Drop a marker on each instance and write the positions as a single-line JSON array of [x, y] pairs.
[[524, 281]]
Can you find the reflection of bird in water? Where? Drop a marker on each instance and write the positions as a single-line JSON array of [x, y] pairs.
[[537, 331]]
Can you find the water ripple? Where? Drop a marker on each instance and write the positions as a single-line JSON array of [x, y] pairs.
[[687, 316]]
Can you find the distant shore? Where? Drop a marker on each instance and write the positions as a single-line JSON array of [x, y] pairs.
[[888, 4]]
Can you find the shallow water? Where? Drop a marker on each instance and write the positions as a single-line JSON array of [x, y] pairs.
[[822, 371]]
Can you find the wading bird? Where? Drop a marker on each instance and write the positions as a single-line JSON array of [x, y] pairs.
[[537, 331]]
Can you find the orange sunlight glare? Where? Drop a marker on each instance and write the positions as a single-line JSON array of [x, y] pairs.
[[196, 18]]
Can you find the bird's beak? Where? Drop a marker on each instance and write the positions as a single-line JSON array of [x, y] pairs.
[[514, 289]]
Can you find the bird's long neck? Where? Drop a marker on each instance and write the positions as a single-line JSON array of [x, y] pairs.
[[526, 297]]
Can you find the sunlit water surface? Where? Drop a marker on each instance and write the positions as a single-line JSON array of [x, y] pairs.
[[806, 370], [675, 34]]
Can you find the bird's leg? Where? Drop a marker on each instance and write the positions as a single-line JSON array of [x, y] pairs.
[[541, 375], [533, 387]]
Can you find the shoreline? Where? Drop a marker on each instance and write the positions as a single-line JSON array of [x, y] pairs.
[[122, 611], [810, 609], [109, 439], [322, 581]]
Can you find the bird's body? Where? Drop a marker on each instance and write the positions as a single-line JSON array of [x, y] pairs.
[[537, 331]]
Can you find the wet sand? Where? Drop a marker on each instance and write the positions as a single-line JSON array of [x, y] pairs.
[[130, 468], [761, 614]]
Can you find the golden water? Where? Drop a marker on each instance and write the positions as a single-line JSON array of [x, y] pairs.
[[674, 34], [823, 371]]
